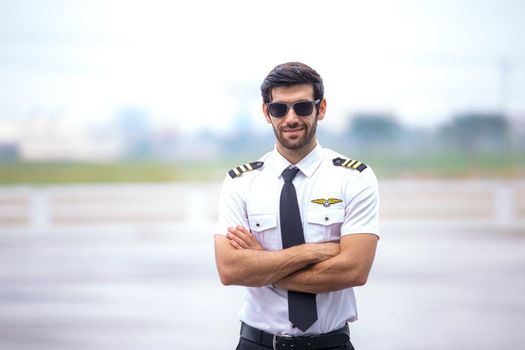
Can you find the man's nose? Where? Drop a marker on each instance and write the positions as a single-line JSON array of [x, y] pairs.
[[291, 117]]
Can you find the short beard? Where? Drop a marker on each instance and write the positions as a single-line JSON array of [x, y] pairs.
[[302, 142]]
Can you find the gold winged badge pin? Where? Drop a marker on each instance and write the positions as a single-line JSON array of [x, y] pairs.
[[326, 202]]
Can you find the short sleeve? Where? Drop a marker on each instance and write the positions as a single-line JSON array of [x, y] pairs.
[[362, 205], [232, 206]]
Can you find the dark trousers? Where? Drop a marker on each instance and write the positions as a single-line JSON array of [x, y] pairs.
[[248, 345]]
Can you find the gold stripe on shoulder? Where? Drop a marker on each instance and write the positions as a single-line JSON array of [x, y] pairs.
[[349, 163], [238, 171]]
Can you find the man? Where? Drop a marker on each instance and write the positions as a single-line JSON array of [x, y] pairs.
[[299, 227]]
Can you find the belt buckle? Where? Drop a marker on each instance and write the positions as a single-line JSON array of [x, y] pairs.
[[274, 340]]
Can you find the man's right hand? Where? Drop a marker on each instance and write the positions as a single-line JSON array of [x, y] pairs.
[[241, 238]]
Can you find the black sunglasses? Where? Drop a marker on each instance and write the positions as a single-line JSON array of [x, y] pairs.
[[301, 108]]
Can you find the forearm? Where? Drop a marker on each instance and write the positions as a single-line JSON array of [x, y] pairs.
[[257, 268], [326, 276], [350, 268]]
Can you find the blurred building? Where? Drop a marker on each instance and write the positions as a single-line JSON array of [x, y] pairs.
[[50, 138]]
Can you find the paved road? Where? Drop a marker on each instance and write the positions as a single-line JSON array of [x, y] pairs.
[[454, 289]]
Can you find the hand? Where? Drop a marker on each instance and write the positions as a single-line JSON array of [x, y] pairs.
[[328, 250], [323, 251], [241, 238]]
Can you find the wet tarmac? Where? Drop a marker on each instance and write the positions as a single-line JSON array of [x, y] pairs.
[[429, 289]]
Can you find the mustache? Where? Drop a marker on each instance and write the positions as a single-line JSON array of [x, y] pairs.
[[292, 126]]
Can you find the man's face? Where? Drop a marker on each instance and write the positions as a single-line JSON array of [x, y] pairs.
[[295, 132]]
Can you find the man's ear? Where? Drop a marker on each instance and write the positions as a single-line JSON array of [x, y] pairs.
[[265, 112], [322, 109]]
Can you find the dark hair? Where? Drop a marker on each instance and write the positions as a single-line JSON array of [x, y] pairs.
[[292, 73]]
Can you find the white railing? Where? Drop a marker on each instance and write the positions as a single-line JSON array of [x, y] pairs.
[[179, 206]]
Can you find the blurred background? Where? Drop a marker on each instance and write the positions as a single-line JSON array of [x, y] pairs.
[[119, 120]]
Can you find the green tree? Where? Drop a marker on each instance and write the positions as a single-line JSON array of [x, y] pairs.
[[373, 130], [478, 132]]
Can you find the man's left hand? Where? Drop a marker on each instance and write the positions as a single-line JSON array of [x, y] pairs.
[[242, 238]]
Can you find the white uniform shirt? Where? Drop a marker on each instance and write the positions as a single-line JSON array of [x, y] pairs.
[[252, 200]]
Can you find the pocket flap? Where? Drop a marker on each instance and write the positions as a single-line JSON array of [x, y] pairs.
[[326, 216], [261, 222]]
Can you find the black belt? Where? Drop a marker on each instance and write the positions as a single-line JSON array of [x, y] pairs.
[[332, 339]]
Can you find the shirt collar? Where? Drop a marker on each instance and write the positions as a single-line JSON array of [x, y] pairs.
[[308, 165]]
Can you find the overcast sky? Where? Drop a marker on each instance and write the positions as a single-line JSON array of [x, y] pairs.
[[199, 64]]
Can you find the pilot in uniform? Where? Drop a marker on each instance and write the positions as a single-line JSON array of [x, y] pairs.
[[336, 196]]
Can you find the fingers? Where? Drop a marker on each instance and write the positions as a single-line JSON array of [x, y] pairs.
[[243, 238], [236, 237], [240, 236], [240, 232], [333, 249], [250, 239], [235, 244]]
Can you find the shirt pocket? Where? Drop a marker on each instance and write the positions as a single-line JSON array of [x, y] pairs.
[[264, 228], [324, 224]]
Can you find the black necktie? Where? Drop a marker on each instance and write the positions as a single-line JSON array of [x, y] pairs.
[[302, 309]]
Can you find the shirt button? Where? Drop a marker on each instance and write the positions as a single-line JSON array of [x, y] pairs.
[[326, 218], [257, 224]]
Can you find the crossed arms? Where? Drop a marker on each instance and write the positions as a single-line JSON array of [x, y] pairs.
[[310, 267]]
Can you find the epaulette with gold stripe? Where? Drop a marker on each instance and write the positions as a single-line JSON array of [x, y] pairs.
[[349, 163], [244, 168]]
